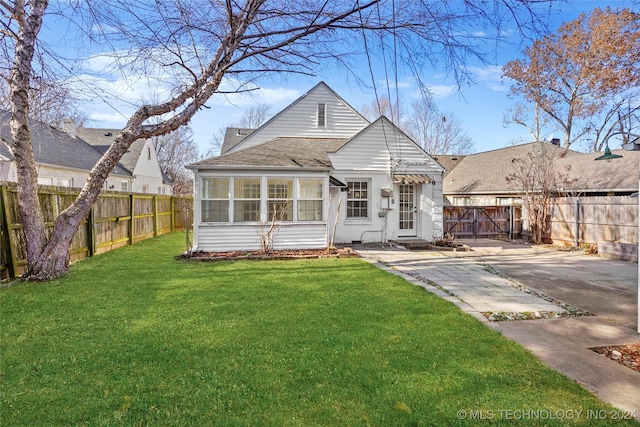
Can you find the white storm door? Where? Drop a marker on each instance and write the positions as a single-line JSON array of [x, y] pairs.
[[407, 210]]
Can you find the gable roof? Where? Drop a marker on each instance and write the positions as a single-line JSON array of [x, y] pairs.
[[268, 124], [487, 172], [616, 175], [101, 139], [282, 152], [55, 147], [448, 161], [233, 136]]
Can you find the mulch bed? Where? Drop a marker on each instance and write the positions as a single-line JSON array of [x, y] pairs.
[[279, 254], [627, 355]]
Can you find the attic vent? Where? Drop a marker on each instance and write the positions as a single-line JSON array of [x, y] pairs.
[[322, 115], [108, 134]]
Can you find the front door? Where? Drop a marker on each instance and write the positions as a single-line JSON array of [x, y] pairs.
[[407, 210]]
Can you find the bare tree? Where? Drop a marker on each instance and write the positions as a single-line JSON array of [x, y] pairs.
[[536, 176], [195, 45], [51, 102], [252, 118], [176, 150], [535, 121], [437, 133], [382, 107]]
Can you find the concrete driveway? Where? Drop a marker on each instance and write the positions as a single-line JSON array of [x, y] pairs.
[[606, 288]]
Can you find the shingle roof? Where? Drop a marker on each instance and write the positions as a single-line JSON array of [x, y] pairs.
[[233, 136], [448, 161], [602, 175], [102, 139], [287, 152], [55, 147], [487, 172]]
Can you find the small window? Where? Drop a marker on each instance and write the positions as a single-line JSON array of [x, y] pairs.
[[322, 115], [145, 189], [44, 180], [358, 200], [215, 200], [63, 182], [462, 201], [124, 185], [246, 199], [148, 153]]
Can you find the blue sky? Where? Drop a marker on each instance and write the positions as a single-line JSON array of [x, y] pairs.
[[480, 105]]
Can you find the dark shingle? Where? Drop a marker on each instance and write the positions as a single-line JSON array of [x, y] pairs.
[[55, 147]]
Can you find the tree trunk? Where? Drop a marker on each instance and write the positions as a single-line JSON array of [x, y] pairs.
[[53, 260]]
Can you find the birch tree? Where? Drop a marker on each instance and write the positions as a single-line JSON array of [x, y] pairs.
[[198, 46]]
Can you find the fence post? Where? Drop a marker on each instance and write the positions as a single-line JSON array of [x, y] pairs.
[[155, 215], [173, 213], [12, 261], [576, 223], [91, 232], [131, 228]]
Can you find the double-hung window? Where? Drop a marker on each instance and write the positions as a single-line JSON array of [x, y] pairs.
[[310, 199], [215, 200], [280, 199], [358, 199], [246, 199]]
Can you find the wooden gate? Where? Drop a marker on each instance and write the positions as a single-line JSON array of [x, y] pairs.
[[483, 222]]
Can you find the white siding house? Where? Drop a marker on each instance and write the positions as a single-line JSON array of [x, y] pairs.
[[316, 164], [62, 159], [141, 159]]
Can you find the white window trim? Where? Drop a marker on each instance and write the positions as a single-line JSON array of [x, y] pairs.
[[264, 200], [321, 111], [368, 199]]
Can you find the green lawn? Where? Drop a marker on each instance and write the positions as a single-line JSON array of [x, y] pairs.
[[134, 337]]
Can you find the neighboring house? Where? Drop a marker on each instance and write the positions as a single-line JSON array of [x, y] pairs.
[[232, 137], [481, 179], [616, 177], [61, 159], [141, 159], [318, 165]]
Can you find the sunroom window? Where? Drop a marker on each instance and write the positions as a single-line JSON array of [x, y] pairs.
[[215, 200], [280, 199], [246, 199], [310, 199]]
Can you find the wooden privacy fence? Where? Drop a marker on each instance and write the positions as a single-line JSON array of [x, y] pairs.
[[483, 222], [115, 220], [593, 220]]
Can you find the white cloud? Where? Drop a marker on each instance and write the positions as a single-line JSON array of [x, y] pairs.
[[441, 91], [492, 72]]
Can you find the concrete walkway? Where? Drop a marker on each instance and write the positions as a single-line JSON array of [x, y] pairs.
[[557, 279]]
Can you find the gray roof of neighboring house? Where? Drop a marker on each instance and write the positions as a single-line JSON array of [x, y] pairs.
[[448, 161], [55, 147], [233, 136], [283, 152], [102, 139], [602, 175], [487, 172]]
